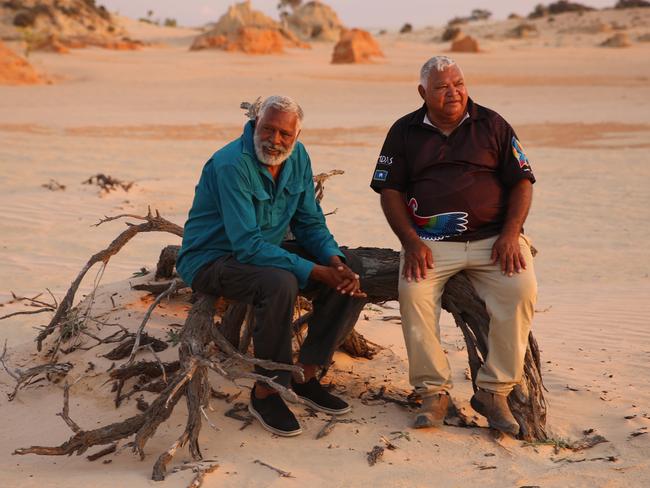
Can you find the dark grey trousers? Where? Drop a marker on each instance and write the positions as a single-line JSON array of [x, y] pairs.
[[272, 292]]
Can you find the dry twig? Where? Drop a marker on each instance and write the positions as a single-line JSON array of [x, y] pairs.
[[281, 472], [107, 183], [329, 426], [136, 343], [25, 377]]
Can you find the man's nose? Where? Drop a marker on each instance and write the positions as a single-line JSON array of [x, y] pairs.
[[276, 137]]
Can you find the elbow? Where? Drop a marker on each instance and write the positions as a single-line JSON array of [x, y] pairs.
[[245, 253]]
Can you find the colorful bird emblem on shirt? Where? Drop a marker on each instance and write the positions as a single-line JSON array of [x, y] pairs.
[[439, 226], [520, 155]]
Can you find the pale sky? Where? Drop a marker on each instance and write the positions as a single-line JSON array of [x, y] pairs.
[[353, 13]]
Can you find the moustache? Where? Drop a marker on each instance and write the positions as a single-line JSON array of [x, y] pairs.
[[274, 147]]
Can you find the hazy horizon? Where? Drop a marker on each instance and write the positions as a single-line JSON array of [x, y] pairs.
[[360, 13]]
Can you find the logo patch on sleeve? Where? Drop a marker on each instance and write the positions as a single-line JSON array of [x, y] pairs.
[[380, 175], [387, 160], [520, 155]]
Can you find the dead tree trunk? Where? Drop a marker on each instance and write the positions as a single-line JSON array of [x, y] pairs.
[[379, 281]]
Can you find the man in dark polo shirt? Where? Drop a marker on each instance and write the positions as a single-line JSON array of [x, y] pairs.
[[456, 187]]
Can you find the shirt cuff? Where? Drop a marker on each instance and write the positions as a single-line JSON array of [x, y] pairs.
[[327, 253], [302, 271]]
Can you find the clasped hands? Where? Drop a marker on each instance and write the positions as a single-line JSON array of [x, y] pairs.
[[339, 276]]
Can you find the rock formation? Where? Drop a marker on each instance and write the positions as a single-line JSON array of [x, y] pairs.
[[243, 29], [465, 44], [620, 39], [315, 21], [56, 25], [356, 46], [249, 40], [15, 70]]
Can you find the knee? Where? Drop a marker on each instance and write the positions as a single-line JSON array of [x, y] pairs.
[[526, 289], [278, 282], [520, 293]]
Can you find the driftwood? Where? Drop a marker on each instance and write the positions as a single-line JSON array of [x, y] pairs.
[[202, 348]]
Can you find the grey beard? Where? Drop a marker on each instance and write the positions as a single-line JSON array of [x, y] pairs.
[[267, 159]]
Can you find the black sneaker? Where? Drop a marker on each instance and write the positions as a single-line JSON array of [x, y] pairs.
[[274, 415], [314, 395]]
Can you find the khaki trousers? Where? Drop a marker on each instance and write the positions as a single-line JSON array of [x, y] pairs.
[[510, 303]]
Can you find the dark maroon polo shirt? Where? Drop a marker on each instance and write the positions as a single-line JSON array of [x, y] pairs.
[[456, 186]]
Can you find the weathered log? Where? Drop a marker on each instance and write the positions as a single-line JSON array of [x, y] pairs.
[[166, 262], [379, 281]]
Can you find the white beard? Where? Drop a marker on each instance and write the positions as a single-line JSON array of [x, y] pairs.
[[267, 159]]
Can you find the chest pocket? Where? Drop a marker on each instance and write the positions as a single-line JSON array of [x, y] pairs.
[[262, 204], [290, 198], [476, 155], [477, 147]]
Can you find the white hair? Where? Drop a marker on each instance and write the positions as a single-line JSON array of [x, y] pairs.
[[439, 63], [283, 104]]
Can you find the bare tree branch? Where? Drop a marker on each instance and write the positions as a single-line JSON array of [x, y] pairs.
[[152, 224]]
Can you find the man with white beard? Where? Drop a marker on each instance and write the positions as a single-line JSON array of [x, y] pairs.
[[250, 193]]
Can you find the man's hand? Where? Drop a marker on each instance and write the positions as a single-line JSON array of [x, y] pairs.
[[417, 255], [340, 277], [417, 259], [506, 249], [507, 252]]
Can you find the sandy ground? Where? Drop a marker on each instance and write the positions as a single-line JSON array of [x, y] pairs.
[[155, 116]]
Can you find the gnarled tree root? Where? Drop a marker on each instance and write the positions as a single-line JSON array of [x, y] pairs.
[[202, 348]]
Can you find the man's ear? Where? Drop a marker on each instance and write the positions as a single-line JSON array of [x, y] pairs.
[[422, 91]]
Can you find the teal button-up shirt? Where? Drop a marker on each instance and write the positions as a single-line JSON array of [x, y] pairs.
[[240, 210]]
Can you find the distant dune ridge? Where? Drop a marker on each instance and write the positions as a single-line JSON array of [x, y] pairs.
[[56, 25]]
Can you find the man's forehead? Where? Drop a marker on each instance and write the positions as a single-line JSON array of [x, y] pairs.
[[276, 113], [452, 71]]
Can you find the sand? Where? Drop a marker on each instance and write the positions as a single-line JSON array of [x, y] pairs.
[[155, 116]]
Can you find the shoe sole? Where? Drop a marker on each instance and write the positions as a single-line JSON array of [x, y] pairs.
[[320, 408], [282, 433], [480, 408]]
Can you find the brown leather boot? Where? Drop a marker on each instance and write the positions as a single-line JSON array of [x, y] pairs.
[[432, 412], [494, 408]]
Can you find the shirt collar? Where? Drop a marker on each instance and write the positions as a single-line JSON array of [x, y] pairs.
[[426, 121], [248, 147], [472, 111]]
